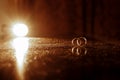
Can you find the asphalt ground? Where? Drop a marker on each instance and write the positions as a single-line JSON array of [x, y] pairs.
[[58, 59]]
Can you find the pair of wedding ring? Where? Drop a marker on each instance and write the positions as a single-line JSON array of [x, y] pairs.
[[78, 46], [80, 42]]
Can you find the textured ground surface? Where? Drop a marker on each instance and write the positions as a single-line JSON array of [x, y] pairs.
[[55, 59]]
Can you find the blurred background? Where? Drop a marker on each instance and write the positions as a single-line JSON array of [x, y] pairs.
[[94, 19]]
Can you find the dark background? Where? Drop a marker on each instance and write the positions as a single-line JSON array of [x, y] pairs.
[[97, 19]]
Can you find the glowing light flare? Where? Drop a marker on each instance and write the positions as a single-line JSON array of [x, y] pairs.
[[20, 29], [21, 46]]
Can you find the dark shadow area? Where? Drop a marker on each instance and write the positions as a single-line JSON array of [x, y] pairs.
[[101, 62]]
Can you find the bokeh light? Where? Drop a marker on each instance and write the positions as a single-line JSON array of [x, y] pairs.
[[20, 29]]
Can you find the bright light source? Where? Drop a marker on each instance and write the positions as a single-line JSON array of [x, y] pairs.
[[20, 29]]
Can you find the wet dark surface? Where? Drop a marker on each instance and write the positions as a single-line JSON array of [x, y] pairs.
[[53, 59]]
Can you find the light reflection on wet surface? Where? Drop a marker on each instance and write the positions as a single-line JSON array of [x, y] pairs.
[[21, 46], [54, 59]]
